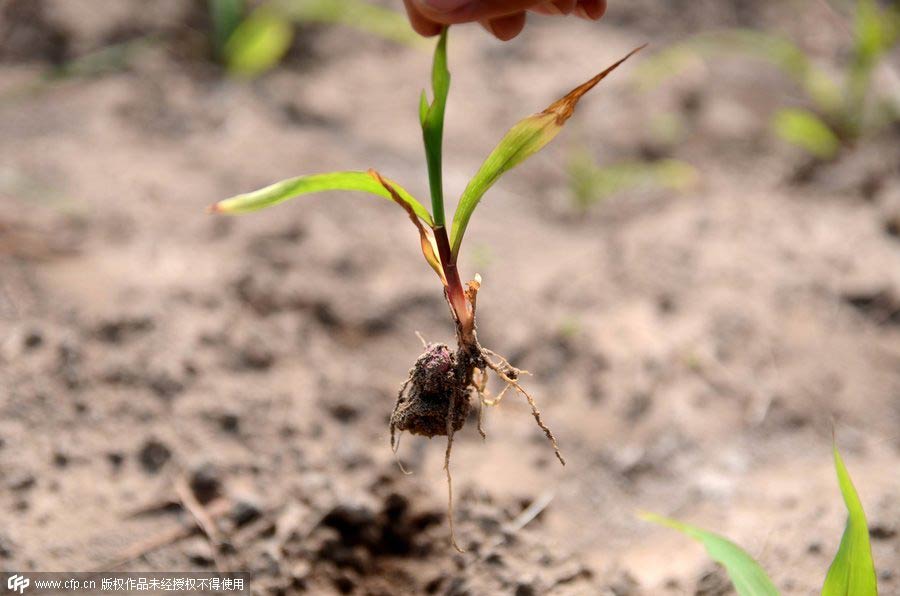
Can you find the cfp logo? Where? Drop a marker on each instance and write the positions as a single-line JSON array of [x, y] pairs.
[[17, 583]]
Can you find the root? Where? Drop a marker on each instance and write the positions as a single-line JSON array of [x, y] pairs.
[[481, 389], [450, 432], [435, 398], [395, 441], [396, 451], [510, 374]]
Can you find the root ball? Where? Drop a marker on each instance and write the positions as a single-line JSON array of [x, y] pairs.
[[434, 395]]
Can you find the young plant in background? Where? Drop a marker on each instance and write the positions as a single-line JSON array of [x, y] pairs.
[[435, 398], [838, 112], [250, 43], [590, 183], [852, 572]]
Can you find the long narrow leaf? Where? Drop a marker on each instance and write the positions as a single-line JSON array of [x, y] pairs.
[[432, 119], [294, 187], [426, 235], [521, 142], [852, 573], [748, 577]]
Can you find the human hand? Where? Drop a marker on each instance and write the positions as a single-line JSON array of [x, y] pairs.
[[503, 18]]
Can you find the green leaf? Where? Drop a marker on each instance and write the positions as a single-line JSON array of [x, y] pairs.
[[361, 15], [432, 119], [852, 572], [748, 577], [225, 15], [807, 131], [522, 141], [875, 31], [258, 43], [294, 187], [591, 183]]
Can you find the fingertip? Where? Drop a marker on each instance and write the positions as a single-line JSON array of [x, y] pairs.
[[421, 24], [591, 10], [565, 6], [507, 27]]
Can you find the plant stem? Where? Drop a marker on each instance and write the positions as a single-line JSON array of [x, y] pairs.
[[455, 292]]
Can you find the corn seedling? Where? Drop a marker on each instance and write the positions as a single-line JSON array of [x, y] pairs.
[[435, 398], [590, 183], [852, 572], [250, 43], [838, 111]]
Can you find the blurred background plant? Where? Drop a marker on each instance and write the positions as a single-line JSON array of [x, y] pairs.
[[249, 41], [836, 110], [591, 183], [852, 572]]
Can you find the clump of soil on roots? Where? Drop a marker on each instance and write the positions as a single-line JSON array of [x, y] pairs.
[[436, 397]]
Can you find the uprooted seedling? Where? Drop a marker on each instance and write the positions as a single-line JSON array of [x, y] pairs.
[[436, 397]]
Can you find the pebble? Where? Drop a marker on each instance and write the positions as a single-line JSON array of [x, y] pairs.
[[153, 455]]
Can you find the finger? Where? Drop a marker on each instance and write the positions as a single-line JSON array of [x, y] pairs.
[[565, 6], [419, 22], [506, 27], [590, 9], [555, 8], [450, 12]]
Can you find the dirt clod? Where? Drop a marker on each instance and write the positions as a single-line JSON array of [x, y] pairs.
[[432, 387], [153, 455], [206, 482]]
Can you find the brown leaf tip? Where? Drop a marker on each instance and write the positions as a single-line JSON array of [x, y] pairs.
[[564, 107]]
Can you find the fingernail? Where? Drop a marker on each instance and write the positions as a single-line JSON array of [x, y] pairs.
[[445, 5], [593, 9], [581, 12], [552, 8]]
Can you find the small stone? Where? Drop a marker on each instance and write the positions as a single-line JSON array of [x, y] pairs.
[[21, 481], [164, 385], [880, 531], [255, 356], [154, 455], [33, 339], [525, 589], [206, 482], [6, 547], [230, 423], [245, 511], [60, 459], [344, 584], [115, 459]]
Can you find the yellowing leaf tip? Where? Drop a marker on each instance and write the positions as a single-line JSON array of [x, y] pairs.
[[565, 106]]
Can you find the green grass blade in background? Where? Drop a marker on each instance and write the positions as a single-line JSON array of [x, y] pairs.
[[852, 573], [875, 31], [361, 15], [225, 15], [590, 183], [807, 131], [258, 44], [295, 187], [748, 577], [522, 141]]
